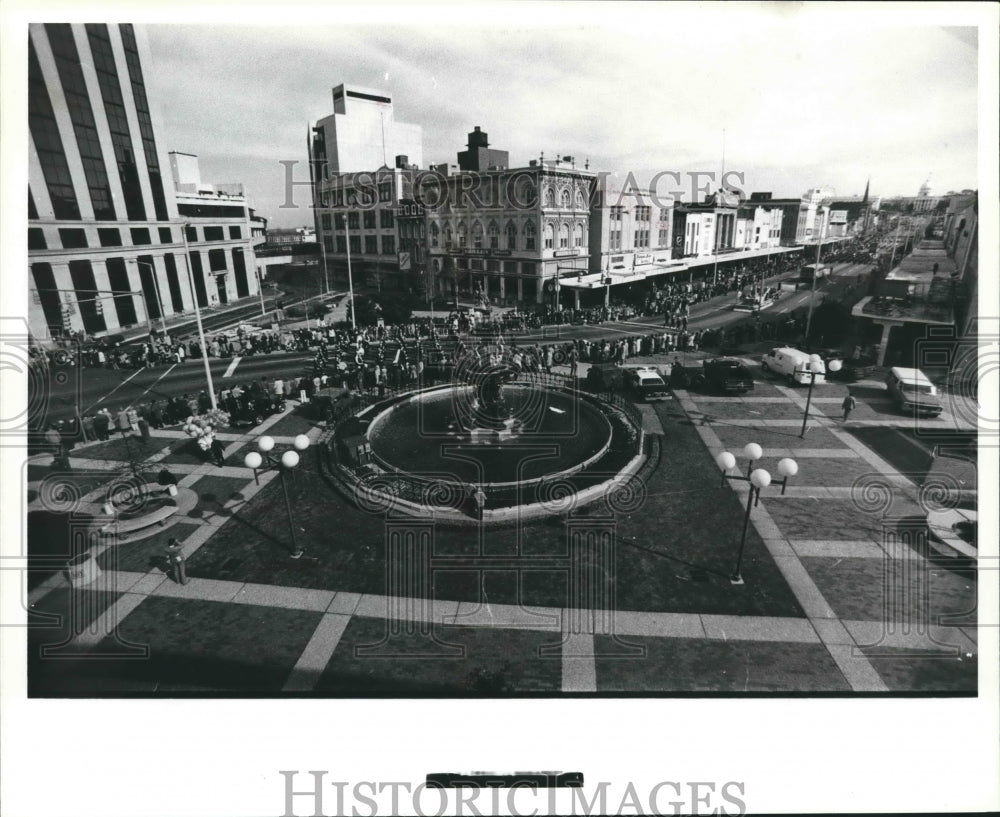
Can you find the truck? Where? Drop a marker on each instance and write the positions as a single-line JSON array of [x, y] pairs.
[[817, 272]]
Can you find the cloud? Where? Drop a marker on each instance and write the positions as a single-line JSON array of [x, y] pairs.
[[806, 98]]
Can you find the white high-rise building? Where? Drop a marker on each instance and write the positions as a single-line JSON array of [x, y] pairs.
[[362, 134], [105, 213]]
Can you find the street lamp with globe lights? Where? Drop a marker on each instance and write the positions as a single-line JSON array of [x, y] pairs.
[[266, 460], [816, 368], [757, 478]]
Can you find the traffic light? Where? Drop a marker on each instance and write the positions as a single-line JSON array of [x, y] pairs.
[[98, 307]]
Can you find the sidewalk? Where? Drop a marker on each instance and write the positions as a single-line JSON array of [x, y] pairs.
[[839, 595]]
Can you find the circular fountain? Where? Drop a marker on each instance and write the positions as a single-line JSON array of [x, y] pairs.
[[522, 438]]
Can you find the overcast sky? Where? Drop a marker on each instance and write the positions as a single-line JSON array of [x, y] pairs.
[[817, 99]]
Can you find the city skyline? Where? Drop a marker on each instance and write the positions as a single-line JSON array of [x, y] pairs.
[[558, 95]]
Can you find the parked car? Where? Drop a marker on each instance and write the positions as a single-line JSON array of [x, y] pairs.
[[913, 392], [252, 409], [854, 369], [726, 375], [793, 364], [604, 377], [645, 383]]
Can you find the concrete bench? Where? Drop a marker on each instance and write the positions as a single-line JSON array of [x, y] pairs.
[[122, 527]]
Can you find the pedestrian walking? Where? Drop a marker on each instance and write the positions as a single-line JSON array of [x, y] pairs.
[[218, 452], [848, 405]]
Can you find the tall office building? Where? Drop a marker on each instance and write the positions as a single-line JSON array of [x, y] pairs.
[[107, 206], [362, 134]]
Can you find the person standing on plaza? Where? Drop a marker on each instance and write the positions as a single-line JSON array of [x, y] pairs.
[[53, 440], [144, 430], [479, 498], [89, 426], [102, 424], [121, 421], [848, 405]]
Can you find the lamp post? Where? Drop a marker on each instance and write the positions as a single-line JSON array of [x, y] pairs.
[[816, 368], [757, 478], [350, 277], [197, 317], [156, 289], [266, 460]]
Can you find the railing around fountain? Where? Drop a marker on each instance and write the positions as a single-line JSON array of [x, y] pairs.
[[438, 493]]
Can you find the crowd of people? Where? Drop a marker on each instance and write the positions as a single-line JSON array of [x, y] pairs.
[[382, 359]]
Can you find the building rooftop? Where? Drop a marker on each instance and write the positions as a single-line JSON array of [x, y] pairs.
[[920, 289]]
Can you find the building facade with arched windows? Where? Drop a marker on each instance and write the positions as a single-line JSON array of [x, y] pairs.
[[505, 234]]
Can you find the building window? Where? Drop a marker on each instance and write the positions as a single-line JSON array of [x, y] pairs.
[[435, 234], [191, 233], [235, 232], [341, 244], [217, 260], [477, 235], [511, 236], [371, 245], [461, 235], [564, 199], [529, 235], [338, 221], [353, 221], [140, 235], [369, 219], [48, 143], [529, 268], [214, 234], [550, 197], [385, 191], [81, 114], [72, 239], [386, 219], [388, 245], [563, 236], [109, 236], [166, 235], [327, 221], [550, 235], [36, 239], [328, 243], [578, 242], [664, 238]]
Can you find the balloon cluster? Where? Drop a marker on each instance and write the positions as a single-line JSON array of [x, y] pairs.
[[202, 427]]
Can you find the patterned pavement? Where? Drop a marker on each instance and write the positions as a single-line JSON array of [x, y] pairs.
[[877, 613]]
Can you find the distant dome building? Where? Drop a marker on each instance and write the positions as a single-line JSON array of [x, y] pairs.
[[925, 201]]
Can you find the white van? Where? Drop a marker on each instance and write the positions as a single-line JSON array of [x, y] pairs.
[[793, 364]]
